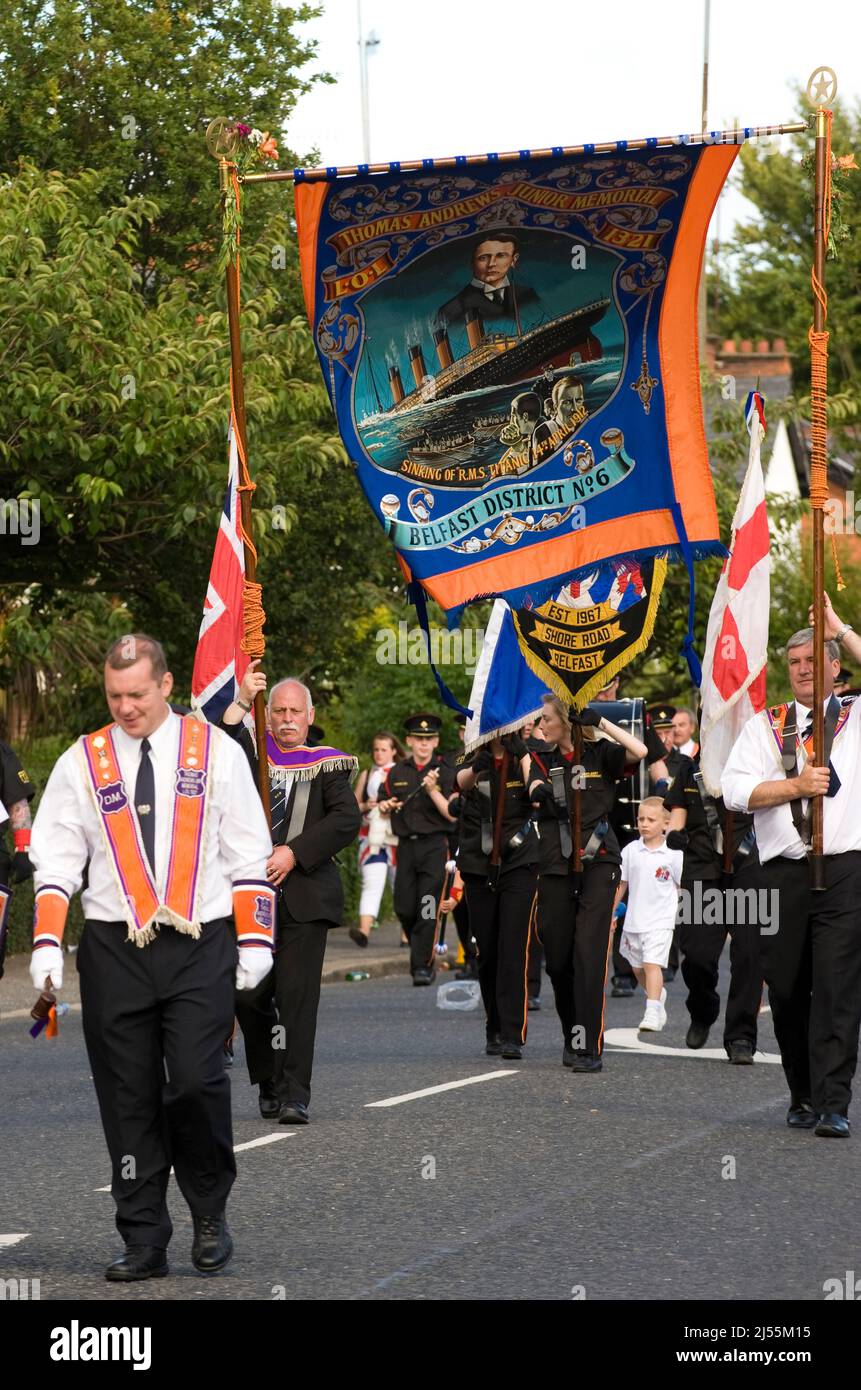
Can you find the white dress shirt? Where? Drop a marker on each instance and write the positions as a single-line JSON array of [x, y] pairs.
[[67, 830], [755, 758], [689, 748]]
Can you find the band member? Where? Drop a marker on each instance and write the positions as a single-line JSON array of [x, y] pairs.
[[160, 811], [416, 793], [575, 908], [377, 844], [498, 861], [460, 907], [812, 960], [719, 851], [16, 793], [660, 719], [314, 815]]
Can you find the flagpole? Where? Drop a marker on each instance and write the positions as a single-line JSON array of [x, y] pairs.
[[819, 440], [237, 381]]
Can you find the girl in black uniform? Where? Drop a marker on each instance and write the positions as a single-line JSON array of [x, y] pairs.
[[498, 861], [575, 909]]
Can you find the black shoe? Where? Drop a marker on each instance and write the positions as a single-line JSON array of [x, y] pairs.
[[832, 1127], [697, 1034], [533, 1004], [467, 972], [740, 1052], [228, 1054], [494, 1046], [512, 1051], [293, 1112], [568, 1055], [623, 989], [586, 1061], [212, 1246], [423, 977], [139, 1262], [268, 1100], [801, 1115], [669, 973], [359, 937]]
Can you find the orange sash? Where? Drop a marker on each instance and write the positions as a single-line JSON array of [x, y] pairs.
[[122, 837]]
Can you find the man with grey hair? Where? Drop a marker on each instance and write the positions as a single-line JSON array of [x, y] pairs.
[[314, 815], [811, 953], [684, 727]]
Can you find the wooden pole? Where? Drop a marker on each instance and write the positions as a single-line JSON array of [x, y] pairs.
[[818, 518], [238, 380], [722, 137]]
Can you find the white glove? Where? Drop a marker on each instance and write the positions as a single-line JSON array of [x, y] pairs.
[[255, 962], [47, 960]]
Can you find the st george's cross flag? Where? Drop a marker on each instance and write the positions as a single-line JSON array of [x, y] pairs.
[[220, 662], [733, 685]]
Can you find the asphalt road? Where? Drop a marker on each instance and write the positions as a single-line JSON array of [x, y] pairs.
[[545, 1185]]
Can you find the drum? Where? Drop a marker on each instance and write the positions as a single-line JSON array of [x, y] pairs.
[[630, 715]]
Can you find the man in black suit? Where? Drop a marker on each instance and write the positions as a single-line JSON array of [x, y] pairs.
[[491, 290], [314, 815]]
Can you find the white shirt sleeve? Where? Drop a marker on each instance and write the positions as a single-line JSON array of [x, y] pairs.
[[677, 860], [747, 765], [243, 835], [58, 848]]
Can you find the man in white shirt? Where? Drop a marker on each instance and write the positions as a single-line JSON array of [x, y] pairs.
[[162, 813], [812, 960]]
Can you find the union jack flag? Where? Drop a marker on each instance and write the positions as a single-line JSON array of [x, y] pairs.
[[219, 662]]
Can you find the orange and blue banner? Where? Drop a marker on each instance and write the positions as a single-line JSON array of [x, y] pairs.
[[511, 352]]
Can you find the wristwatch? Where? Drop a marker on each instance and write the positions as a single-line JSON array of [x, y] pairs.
[[847, 627], [242, 705]]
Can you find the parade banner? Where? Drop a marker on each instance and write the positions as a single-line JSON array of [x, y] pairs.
[[585, 636], [511, 354]]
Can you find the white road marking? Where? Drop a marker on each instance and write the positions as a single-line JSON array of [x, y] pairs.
[[629, 1040], [237, 1148], [264, 1139], [435, 1090], [8, 1240]]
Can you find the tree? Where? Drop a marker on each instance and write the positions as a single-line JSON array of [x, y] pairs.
[[129, 89]]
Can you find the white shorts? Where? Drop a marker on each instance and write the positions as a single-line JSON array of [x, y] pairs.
[[647, 947]]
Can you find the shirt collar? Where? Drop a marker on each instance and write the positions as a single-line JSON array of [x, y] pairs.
[[489, 289], [159, 739]]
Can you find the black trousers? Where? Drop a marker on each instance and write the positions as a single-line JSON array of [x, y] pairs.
[[812, 965], [279, 1018], [702, 944], [418, 885], [155, 1019], [575, 934], [501, 923]]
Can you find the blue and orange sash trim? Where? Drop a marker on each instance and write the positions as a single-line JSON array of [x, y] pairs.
[[121, 831], [776, 717]]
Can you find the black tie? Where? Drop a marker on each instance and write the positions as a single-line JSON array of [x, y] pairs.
[[834, 781], [145, 803]]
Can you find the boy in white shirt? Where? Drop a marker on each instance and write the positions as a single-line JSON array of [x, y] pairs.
[[651, 874]]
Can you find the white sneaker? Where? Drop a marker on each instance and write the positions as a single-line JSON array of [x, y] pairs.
[[653, 1018], [663, 1001]]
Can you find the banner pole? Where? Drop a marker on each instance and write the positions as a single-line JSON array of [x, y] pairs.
[[716, 137], [237, 405], [818, 338]]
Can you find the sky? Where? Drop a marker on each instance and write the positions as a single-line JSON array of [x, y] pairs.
[[468, 76]]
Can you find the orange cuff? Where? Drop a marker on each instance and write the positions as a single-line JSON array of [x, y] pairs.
[[254, 912], [52, 909]]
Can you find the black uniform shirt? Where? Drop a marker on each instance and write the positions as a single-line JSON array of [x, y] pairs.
[[421, 816], [603, 761], [15, 785], [701, 858], [517, 816]]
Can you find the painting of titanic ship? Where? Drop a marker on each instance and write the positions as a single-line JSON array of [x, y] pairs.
[[498, 359], [452, 449]]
